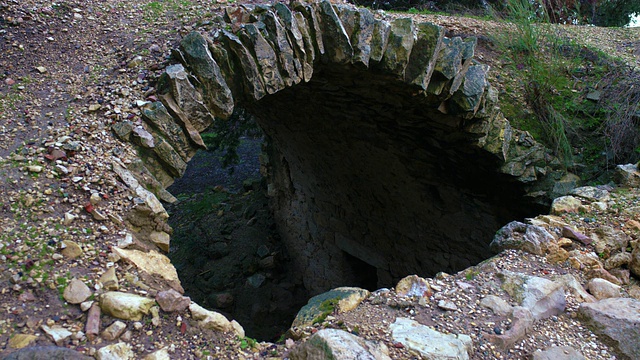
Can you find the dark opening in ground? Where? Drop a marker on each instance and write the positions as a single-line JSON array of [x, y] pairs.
[[364, 275], [225, 245], [366, 182]]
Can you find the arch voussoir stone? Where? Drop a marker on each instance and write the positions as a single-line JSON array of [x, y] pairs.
[[386, 143]]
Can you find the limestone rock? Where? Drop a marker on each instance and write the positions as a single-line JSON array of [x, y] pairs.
[[571, 284], [342, 299], [413, 285], [215, 90], [119, 351], [627, 175], [113, 331], [617, 321], [109, 280], [47, 352], [71, 250], [361, 37], [497, 304], [591, 193], [334, 37], [557, 353], [290, 65], [266, 58], [608, 241], [76, 292], [154, 264], [431, 344], [187, 99], [424, 55], [544, 298], [517, 235], [149, 198], [398, 51], [20, 341], [161, 239], [468, 98], [338, 344], [212, 320], [162, 354], [57, 333], [164, 124], [379, 40], [602, 289], [522, 323], [125, 306], [172, 300], [565, 204]]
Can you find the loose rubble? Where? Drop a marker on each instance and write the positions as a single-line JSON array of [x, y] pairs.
[[70, 206]]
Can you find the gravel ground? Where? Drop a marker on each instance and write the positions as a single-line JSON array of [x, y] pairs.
[[72, 68]]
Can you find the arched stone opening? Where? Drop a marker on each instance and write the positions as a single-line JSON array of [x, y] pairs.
[[387, 157], [361, 166]]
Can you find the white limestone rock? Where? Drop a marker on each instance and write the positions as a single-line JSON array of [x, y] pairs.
[[431, 344]]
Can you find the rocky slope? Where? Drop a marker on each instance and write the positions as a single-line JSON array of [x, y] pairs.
[[72, 278]]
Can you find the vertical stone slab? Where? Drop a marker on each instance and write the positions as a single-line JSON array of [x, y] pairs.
[[172, 161], [347, 15], [265, 57], [448, 66], [216, 93], [379, 40], [157, 116], [252, 78], [309, 48], [468, 49], [468, 97], [225, 61], [296, 38], [290, 65], [362, 37], [398, 51], [313, 24], [424, 55], [175, 82], [334, 36]]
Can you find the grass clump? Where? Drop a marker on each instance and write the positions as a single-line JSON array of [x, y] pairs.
[[565, 94]]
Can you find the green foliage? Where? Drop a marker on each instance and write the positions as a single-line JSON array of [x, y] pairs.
[[247, 342], [204, 203], [327, 307]]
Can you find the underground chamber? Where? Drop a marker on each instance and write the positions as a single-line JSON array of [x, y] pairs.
[[365, 182]]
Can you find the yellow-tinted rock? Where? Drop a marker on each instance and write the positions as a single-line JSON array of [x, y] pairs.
[[71, 250], [20, 341]]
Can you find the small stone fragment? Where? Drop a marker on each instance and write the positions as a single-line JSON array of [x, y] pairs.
[[71, 250], [119, 351], [20, 341], [92, 327], [172, 300], [124, 305], [114, 330], [602, 289], [57, 333], [76, 292], [109, 280]]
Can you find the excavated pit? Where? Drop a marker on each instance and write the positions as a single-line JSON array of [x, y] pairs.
[[364, 174], [366, 184]]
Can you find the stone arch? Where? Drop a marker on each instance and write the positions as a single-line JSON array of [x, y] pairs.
[[386, 143]]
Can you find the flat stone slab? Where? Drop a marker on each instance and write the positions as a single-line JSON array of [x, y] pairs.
[[429, 343], [616, 321]]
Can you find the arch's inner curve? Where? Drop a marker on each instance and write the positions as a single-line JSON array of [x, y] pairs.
[[362, 170]]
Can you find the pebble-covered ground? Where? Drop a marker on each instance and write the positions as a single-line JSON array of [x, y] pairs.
[[70, 69]]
